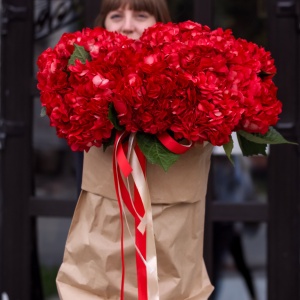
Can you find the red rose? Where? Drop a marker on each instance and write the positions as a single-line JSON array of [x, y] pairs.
[[198, 83]]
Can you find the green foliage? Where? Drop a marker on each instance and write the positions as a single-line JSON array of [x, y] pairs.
[[250, 148], [155, 152], [113, 117], [228, 148], [271, 137], [79, 53], [255, 143]]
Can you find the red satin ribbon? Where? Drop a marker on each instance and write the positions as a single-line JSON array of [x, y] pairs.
[[136, 208], [140, 239], [173, 145], [115, 170], [122, 170]]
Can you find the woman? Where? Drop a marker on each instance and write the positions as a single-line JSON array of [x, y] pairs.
[[156, 10], [92, 262]]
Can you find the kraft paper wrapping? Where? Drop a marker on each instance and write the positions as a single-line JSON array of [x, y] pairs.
[[91, 267]]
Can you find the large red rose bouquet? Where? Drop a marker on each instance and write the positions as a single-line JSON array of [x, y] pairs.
[[184, 80], [179, 84]]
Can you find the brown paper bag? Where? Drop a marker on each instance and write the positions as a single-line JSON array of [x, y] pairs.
[[91, 267]]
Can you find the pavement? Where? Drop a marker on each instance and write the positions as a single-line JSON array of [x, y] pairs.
[[232, 287]]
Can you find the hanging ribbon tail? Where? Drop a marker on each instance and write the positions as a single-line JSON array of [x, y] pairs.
[[117, 189], [129, 166]]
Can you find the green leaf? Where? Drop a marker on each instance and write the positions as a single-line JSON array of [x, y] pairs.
[[110, 141], [155, 152], [228, 149], [43, 111], [250, 148], [113, 117], [79, 53], [271, 137]]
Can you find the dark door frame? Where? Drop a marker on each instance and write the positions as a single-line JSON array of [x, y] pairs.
[[15, 151], [284, 162]]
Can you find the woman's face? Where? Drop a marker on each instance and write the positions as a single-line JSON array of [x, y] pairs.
[[129, 22]]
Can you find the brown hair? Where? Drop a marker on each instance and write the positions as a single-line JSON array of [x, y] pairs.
[[157, 8]]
